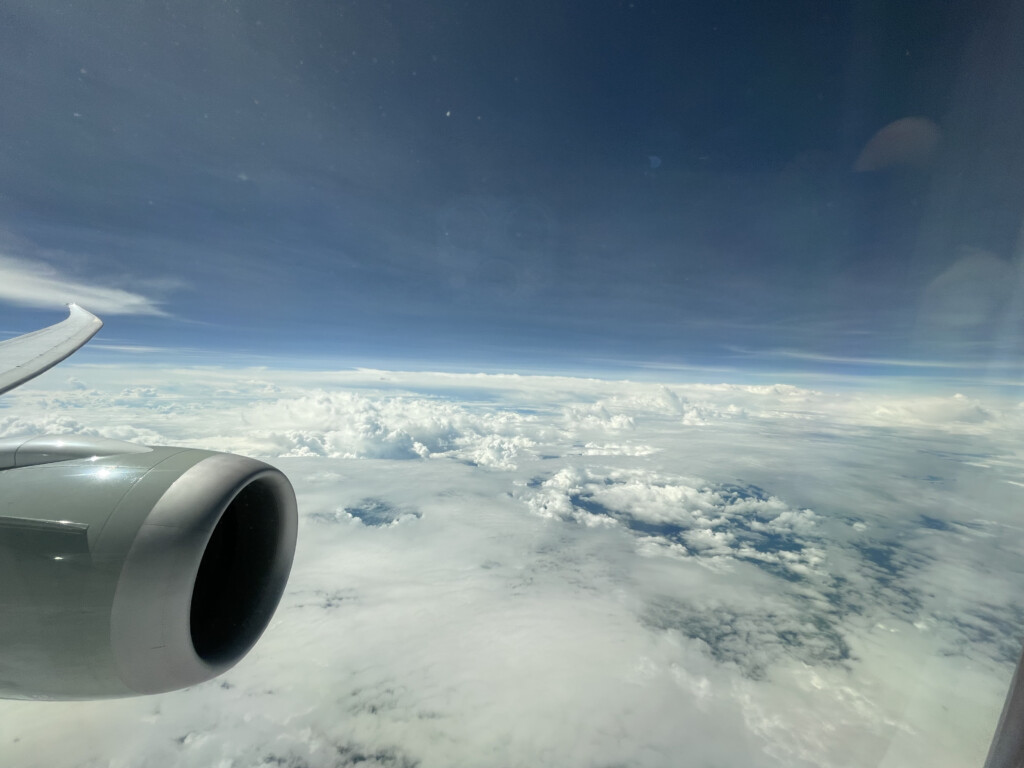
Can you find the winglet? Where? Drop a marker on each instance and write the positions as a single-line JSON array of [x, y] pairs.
[[25, 357]]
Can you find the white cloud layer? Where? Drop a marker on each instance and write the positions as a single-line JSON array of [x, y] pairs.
[[34, 284], [506, 570]]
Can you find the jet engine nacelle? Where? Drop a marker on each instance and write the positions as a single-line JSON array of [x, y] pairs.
[[128, 570]]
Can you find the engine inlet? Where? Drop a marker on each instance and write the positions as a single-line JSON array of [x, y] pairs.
[[238, 584]]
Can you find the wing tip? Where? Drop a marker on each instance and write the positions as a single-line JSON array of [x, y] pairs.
[[75, 309], [36, 352]]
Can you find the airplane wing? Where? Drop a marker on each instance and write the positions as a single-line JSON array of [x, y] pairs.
[[25, 357]]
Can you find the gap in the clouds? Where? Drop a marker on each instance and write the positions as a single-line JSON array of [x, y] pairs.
[[593, 507], [753, 640], [739, 527], [375, 512], [992, 627], [935, 523]]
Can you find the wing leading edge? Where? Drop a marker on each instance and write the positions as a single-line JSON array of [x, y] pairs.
[[25, 357]]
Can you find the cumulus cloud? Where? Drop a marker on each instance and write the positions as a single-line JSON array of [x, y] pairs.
[[34, 284], [729, 521]]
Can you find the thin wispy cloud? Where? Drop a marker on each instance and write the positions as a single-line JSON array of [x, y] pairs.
[[136, 349], [794, 354], [35, 284], [890, 361]]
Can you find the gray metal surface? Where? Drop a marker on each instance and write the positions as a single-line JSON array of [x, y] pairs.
[[26, 452], [56, 591], [98, 561], [25, 357], [1007, 748]]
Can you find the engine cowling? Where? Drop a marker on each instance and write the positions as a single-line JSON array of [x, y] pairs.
[[129, 570]]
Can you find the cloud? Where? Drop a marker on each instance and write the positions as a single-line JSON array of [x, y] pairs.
[[729, 521], [33, 284], [883, 361], [135, 349], [515, 570]]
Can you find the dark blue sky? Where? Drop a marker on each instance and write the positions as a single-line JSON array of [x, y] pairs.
[[557, 184]]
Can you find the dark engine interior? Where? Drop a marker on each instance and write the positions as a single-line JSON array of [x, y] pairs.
[[241, 576]]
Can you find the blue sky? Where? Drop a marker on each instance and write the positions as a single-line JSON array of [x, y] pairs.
[[572, 186]]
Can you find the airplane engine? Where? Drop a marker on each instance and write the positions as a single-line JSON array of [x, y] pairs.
[[128, 570]]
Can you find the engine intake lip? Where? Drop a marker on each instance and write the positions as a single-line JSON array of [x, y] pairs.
[[204, 574]]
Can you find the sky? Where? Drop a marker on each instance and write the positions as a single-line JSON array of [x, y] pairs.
[[575, 187], [648, 373]]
